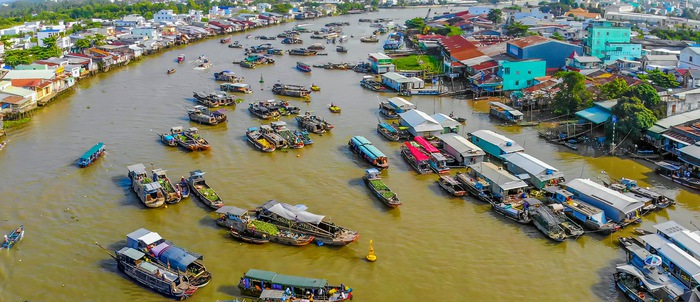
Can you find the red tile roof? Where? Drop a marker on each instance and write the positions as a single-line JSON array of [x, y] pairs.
[[529, 41], [460, 49], [485, 65], [26, 82], [429, 37], [13, 99]]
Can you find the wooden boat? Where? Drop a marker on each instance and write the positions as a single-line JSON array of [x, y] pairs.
[[182, 140], [315, 88], [364, 148], [170, 71], [374, 182], [451, 185], [320, 121], [302, 52], [394, 41], [546, 222], [677, 174], [172, 194], [266, 37], [334, 108], [248, 237], [256, 138], [304, 136], [292, 40], [291, 90], [13, 238], [261, 111], [629, 185], [476, 187], [91, 155], [243, 224], [206, 194], [281, 129], [297, 219], [505, 113], [275, 139], [513, 209], [271, 232], [165, 281], [206, 99], [181, 59], [341, 48], [247, 64], [169, 138], [236, 87], [166, 253], [571, 228], [458, 119], [303, 67], [316, 46], [416, 159], [582, 213], [235, 44], [307, 123], [183, 188], [225, 40], [369, 39], [370, 83], [193, 134], [297, 288], [149, 192], [202, 115], [227, 76]]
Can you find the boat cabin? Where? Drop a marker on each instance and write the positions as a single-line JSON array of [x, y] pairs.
[[136, 258], [438, 163], [685, 239], [369, 153], [232, 215], [494, 144], [236, 87], [620, 208], [91, 155], [419, 123], [416, 158], [400, 105], [505, 112], [373, 173], [254, 281], [503, 184], [176, 130], [676, 261], [464, 151], [576, 208], [137, 172], [538, 173]]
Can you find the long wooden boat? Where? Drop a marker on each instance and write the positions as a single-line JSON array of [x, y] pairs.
[[369, 39], [169, 138], [388, 131], [374, 182], [13, 238], [304, 136], [299, 288], [303, 67], [281, 129], [676, 174], [546, 222], [149, 192], [451, 185], [170, 71], [364, 148], [227, 76], [193, 134], [180, 59], [370, 83], [172, 194], [416, 159], [271, 136], [307, 123], [278, 235], [182, 140], [302, 52], [477, 187], [183, 187], [247, 236], [571, 228], [91, 155], [249, 227], [236, 87], [202, 115], [513, 209], [327, 126], [204, 192], [299, 220], [291, 90], [625, 185], [166, 253], [255, 137], [262, 112], [165, 281]]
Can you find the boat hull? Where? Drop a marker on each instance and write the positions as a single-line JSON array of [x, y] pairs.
[[163, 289], [392, 202], [198, 188]]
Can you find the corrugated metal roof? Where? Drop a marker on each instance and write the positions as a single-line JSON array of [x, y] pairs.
[[401, 103], [595, 114], [461, 144], [498, 176], [498, 140], [673, 253], [607, 196], [445, 120], [690, 151], [689, 241], [678, 119], [669, 227], [420, 121], [530, 164], [30, 74]]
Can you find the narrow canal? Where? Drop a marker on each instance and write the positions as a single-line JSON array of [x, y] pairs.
[[433, 248]]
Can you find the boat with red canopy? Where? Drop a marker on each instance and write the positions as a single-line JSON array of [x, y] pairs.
[[417, 159]]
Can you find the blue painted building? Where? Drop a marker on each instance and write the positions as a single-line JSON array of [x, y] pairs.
[[517, 74], [494, 144], [620, 208], [554, 52]]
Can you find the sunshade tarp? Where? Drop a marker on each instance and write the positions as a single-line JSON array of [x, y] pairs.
[[594, 114], [292, 213], [177, 257]]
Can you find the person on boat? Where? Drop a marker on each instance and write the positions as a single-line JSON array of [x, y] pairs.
[[182, 179], [6, 239], [332, 105]]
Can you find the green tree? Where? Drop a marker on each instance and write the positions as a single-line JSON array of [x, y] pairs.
[[82, 44], [557, 36], [495, 16], [50, 47], [632, 118], [572, 93], [516, 29], [659, 78], [415, 23], [612, 90], [649, 97]]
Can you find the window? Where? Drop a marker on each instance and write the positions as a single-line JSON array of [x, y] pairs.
[[690, 58], [529, 72], [506, 70], [529, 82], [517, 83], [607, 33]]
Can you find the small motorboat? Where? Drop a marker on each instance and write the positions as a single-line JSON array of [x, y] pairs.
[[171, 71], [13, 238], [303, 67], [248, 237], [333, 108], [458, 119], [315, 87]]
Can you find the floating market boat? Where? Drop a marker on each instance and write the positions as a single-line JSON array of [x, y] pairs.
[[451, 185], [205, 193], [394, 41], [227, 76], [172, 194], [275, 51], [582, 213], [182, 140], [517, 210], [293, 141], [415, 158], [341, 48], [248, 236], [311, 125], [571, 228], [91, 155], [370, 83], [476, 186], [256, 138], [369, 39], [262, 111], [436, 161], [677, 174], [266, 37], [388, 131], [333, 108], [364, 148], [181, 59], [291, 40], [297, 219], [165, 281], [629, 185], [316, 46], [236, 87], [225, 40], [206, 99], [291, 90], [302, 52], [304, 136], [165, 253], [315, 87], [275, 139], [374, 182], [252, 230], [295, 288], [235, 44], [13, 238], [193, 134], [505, 113], [546, 222], [247, 64], [202, 115], [183, 188], [149, 192], [170, 71], [169, 138], [303, 67]]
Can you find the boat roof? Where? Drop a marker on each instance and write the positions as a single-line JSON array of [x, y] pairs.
[[426, 145], [605, 195], [152, 186], [420, 121], [240, 85], [505, 107], [291, 212], [420, 156], [530, 164], [285, 280], [272, 294], [231, 210], [673, 253], [461, 144], [131, 253], [689, 241], [96, 148], [438, 156], [159, 171], [176, 129], [506, 144], [401, 103], [177, 257], [669, 227], [450, 180], [142, 235], [360, 141], [137, 169], [388, 127], [498, 176], [667, 165], [372, 150], [372, 171]]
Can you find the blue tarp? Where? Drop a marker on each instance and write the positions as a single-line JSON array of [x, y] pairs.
[[96, 148], [177, 257], [594, 114]]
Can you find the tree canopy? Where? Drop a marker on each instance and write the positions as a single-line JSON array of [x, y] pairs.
[[632, 118], [613, 89], [649, 97], [660, 79], [516, 29], [572, 93], [495, 16]]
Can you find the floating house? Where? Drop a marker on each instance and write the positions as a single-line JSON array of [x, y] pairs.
[[419, 123], [380, 63], [501, 182], [449, 125], [538, 173], [400, 105], [620, 208], [464, 151], [685, 239], [505, 112], [678, 263], [587, 215], [494, 144], [176, 257], [401, 83]]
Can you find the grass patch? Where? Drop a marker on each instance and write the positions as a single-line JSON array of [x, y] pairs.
[[419, 62], [15, 123]]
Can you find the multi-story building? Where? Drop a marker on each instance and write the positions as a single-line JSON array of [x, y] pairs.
[[519, 74], [165, 15], [610, 41]]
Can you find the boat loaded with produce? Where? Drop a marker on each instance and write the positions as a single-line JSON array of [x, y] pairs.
[[247, 228], [256, 282], [205, 193], [149, 192], [374, 182], [172, 193]]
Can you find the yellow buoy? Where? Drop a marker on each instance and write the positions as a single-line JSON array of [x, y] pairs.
[[370, 256]]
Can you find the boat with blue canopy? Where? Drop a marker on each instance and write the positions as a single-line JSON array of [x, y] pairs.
[[13, 238], [388, 131], [394, 41], [254, 281], [369, 153], [91, 155]]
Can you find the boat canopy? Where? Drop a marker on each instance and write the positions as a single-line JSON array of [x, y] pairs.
[[360, 141], [419, 156], [142, 237], [137, 169], [372, 151], [426, 145], [152, 187], [387, 127], [177, 257], [668, 166], [284, 280], [291, 212], [231, 210], [629, 269], [96, 148]]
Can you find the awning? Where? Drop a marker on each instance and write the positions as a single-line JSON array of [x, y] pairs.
[[177, 257], [594, 114]]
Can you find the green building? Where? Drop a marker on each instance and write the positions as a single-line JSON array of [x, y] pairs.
[[610, 41], [520, 74]]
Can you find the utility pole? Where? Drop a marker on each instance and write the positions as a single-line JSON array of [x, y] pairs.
[[612, 145]]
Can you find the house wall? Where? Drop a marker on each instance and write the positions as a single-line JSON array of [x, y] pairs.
[[489, 148], [553, 53], [521, 74], [689, 59], [599, 36], [610, 212]]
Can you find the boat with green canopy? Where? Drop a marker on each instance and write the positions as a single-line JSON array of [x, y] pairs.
[[254, 281], [91, 155]]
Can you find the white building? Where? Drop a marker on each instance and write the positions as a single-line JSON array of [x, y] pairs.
[[534, 13], [263, 7], [46, 33], [479, 10], [690, 58], [130, 21], [165, 15]]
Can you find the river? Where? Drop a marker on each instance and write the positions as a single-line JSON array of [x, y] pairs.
[[433, 248]]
